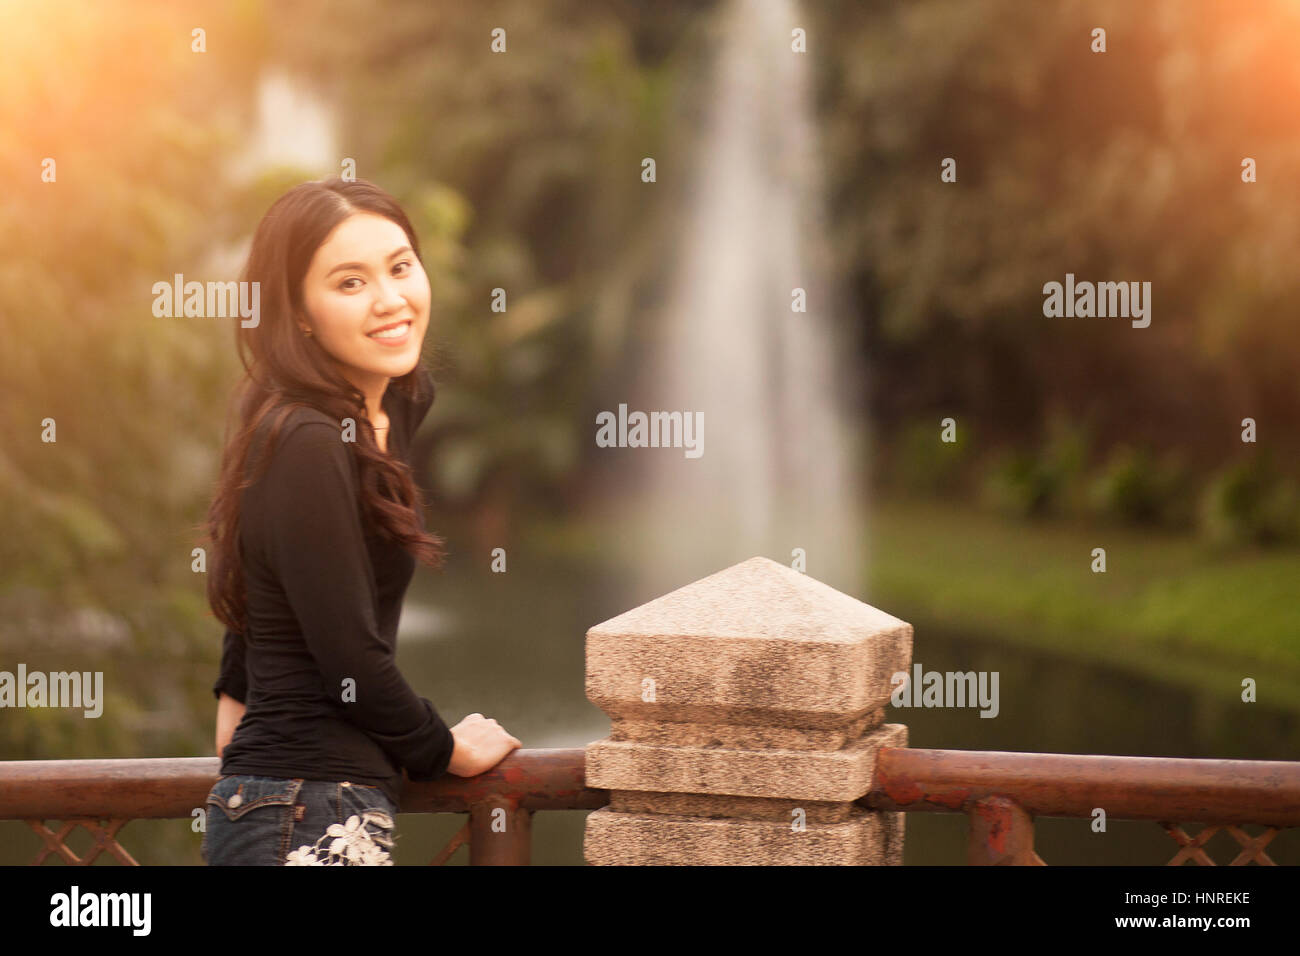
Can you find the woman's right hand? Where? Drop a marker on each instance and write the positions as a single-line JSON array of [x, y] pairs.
[[481, 743]]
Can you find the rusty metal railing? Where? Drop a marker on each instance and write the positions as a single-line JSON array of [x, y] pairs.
[[1001, 793], [102, 796]]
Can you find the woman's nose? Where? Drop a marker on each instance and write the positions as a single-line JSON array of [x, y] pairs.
[[388, 298]]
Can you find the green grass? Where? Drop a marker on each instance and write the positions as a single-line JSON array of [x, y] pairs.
[[1167, 606]]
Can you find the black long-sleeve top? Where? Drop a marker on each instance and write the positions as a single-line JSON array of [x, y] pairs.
[[316, 667]]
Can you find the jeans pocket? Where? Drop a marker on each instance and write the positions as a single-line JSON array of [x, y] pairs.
[[241, 794], [250, 820]]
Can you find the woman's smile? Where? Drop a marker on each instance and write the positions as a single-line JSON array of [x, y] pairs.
[[392, 334]]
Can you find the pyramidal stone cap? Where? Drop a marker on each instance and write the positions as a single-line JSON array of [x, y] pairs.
[[755, 655]]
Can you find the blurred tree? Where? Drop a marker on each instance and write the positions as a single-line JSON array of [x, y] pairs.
[[1123, 165], [95, 558]]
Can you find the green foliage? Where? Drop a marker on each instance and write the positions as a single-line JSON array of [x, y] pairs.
[[1028, 484], [1124, 165], [98, 525], [1133, 488], [1021, 484], [503, 407], [925, 463], [1249, 502]]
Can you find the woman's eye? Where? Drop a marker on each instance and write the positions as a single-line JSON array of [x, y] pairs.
[[345, 287]]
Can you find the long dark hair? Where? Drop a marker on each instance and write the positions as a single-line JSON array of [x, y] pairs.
[[284, 369]]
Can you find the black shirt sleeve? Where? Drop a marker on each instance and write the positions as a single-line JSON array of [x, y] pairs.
[[314, 540], [233, 679]]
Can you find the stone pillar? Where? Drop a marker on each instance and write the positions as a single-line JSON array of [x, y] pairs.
[[746, 711]]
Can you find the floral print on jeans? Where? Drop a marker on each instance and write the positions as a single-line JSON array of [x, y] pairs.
[[351, 843]]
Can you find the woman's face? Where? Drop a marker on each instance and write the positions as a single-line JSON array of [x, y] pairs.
[[365, 278]]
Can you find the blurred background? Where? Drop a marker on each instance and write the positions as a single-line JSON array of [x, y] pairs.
[[774, 171]]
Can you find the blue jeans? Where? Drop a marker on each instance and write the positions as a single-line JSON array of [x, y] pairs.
[[270, 821]]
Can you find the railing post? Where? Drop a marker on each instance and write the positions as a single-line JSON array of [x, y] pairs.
[[746, 712], [1001, 834], [500, 834]]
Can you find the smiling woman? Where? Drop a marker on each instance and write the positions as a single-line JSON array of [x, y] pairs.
[[369, 310], [317, 526]]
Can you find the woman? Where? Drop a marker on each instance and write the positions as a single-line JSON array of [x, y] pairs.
[[316, 526]]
